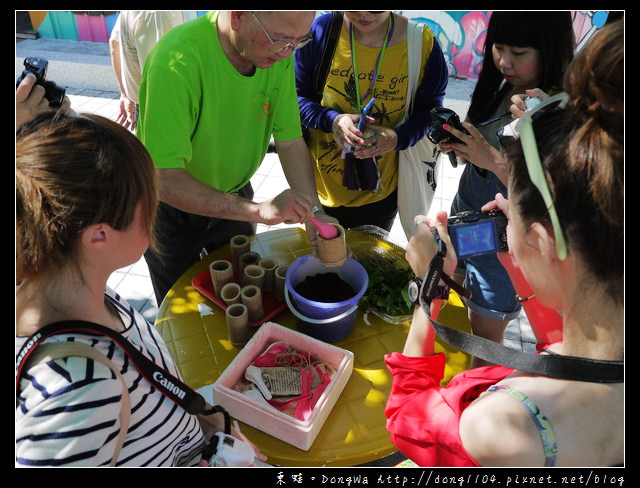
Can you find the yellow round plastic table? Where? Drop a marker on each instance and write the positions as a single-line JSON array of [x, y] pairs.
[[195, 330]]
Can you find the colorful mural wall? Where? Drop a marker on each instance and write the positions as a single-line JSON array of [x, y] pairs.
[[460, 33], [93, 26]]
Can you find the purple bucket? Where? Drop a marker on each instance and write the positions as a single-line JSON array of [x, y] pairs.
[[326, 321]]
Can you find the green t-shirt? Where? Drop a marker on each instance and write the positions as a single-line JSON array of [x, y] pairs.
[[199, 113]]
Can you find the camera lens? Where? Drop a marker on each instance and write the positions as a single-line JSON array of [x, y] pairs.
[[435, 134], [54, 93]]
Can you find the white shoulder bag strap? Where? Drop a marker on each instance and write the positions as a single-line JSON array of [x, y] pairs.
[[414, 49], [59, 350], [416, 165]]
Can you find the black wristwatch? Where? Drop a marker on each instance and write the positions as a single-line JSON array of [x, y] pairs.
[[424, 291]]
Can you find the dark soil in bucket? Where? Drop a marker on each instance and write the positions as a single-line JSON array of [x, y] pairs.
[[325, 287]]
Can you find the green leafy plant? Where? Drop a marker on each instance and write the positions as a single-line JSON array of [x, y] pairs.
[[388, 279]]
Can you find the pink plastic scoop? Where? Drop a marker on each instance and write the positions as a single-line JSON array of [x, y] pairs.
[[326, 231]]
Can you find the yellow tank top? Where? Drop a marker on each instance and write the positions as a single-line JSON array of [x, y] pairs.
[[390, 92]]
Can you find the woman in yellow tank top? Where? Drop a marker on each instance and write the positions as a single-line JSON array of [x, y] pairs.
[[357, 172]]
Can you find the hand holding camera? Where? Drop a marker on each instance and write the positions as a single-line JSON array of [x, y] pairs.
[[521, 102], [34, 94], [30, 101], [38, 67], [422, 247], [509, 133], [230, 451], [441, 116], [469, 233], [474, 148], [225, 449]]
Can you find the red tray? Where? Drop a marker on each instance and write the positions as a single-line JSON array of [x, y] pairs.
[[272, 307]]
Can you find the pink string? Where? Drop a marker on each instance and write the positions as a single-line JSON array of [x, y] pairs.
[[270, 357], [326, 379], [280, 354], [304, 409]]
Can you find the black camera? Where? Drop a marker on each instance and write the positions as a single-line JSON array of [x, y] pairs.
[[38, 66], [439, 117], [477, 233]]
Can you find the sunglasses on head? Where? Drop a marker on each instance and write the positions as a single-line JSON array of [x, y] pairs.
[[534, 165]]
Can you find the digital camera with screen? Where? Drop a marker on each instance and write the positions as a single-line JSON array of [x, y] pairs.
[[477, 233]]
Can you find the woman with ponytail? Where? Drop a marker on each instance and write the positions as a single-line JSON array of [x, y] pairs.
[[566, 235]]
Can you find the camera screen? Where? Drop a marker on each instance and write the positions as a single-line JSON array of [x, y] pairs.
[[478, 238]]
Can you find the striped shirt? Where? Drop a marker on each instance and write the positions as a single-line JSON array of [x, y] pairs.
[[67, 411]]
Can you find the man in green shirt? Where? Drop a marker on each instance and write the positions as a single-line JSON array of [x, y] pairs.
[[213, 93]]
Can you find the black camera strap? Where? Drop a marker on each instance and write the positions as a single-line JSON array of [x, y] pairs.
[[430, 286], [168, 384], [327, 53], [556, 366], [553, 365]]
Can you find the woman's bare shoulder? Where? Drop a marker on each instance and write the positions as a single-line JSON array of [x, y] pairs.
[[497, 431]]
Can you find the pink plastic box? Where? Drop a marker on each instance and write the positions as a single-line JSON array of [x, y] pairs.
[[263, 416]]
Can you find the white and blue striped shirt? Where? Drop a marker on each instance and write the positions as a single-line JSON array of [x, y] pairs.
[[68, 410]]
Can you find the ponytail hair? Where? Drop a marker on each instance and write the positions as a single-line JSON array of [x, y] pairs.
[[73, 171], [582, 152], [595, 85]]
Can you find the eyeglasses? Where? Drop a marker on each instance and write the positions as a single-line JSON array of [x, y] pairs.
[[278, 46], [534, 165]]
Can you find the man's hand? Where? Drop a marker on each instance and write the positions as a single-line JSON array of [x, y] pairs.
[[127, 114], [289, 207]]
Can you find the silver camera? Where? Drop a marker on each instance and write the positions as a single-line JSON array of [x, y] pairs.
[[229, 451], [509, 132]]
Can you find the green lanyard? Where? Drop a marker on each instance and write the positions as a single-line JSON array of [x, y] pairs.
[[354, 61]]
